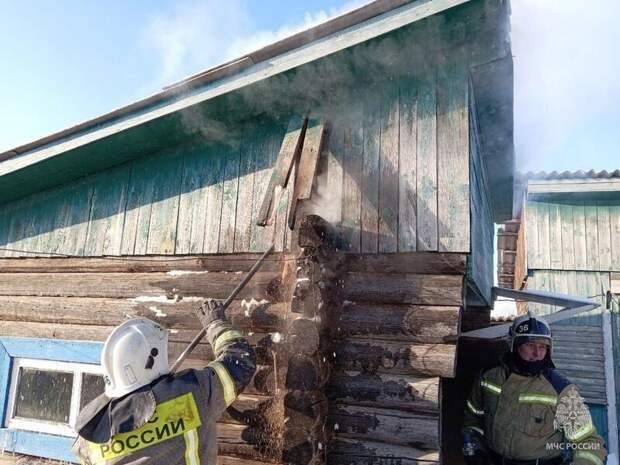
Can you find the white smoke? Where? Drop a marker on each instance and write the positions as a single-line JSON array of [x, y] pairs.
[[567, 84], [197, 35]]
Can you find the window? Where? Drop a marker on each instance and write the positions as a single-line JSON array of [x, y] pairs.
[[46, 396]]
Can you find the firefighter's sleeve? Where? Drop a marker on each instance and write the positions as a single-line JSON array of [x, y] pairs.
[[234, 364], [473, 422], [574, 419]]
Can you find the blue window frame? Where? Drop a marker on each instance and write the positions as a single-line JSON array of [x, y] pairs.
[[29, 442]]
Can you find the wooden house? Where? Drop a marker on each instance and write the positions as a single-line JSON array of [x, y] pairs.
[[567, 240], [374, 151]]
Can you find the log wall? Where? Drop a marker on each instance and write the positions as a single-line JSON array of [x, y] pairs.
[[393, 335], [84, 299]]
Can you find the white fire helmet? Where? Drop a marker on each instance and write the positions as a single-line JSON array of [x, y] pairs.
[[530, 327], [134, 354]]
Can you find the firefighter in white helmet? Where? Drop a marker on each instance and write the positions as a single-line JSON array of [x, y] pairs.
[[523, 412], [148, 415]]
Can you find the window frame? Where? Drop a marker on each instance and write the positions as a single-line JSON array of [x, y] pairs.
[[51, 446], [43, 426]]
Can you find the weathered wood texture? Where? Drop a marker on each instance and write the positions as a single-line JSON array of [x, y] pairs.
[[573, 235], [395, 162], [392, 337], [195, 198], [481, 260]]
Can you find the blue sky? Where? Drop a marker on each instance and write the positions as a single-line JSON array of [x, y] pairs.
[[65, 62]]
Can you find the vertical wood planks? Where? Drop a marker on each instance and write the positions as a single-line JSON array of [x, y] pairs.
[[335, 161], [193, 200], [351, 191], [453, 163], [568, 247], [426, 149], [230, 190], [138, 212], [165, 208], [591, 217], [370, 174], [107, 212], [555, 236], [214, 201], [604, 235], [542, 223], [614, 219], [579, 238], [243, 224], [407, 161], [388, 171], [265, 158], [531, 234]]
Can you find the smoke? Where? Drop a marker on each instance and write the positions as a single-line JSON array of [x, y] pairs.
[[567, 90], [197, 35]]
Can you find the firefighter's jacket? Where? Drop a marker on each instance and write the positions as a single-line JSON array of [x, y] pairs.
[[524, 417], [172, 421]]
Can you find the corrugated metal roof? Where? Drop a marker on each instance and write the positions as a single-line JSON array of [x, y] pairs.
[[580, 174]]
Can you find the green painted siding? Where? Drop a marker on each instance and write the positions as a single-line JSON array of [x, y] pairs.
[[170, 202], [394, 173], [573, 234]]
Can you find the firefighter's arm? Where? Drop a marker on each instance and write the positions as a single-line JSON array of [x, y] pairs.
[[235, 360], [473, 425], [588, 446], [474, 411]]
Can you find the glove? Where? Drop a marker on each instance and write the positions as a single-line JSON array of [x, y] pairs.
[[211, 310]]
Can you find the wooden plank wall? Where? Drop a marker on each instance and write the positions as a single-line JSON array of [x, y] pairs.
[[393, 338], [573, 234], [396, 176], [191, 199], [84, 299]]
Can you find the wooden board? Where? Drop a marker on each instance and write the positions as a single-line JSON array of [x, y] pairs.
[[384, 425], [426, 151], [453, 164], [388, 171], [407, 172], [290, 149], [107, 213], [245, 199], [373, 355], [230, 189], [402, 392], [266, 152], [429, 324], [362, 452], [169, 313], [579, 218], [555, 236], [214, 204], [138, 210], [123, 285], [352, 184], [414, 262], [193, 200], [592, 246], [568, 244], [406, 288], [614, 217], [604, 235], [370, 173]]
